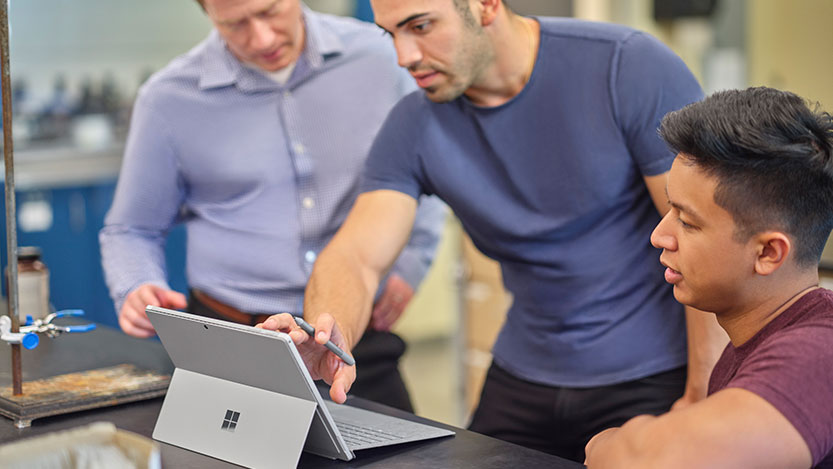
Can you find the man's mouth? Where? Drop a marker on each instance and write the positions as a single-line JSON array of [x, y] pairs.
[[672, 276], [425, 79], [272, 55]]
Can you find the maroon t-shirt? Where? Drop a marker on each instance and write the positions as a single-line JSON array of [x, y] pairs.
[[789, 363]]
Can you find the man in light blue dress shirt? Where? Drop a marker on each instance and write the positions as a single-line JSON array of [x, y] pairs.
[[255, 140]]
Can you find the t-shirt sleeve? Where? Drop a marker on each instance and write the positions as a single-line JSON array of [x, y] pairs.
[[649, 80], [393, 161], [792, 372]]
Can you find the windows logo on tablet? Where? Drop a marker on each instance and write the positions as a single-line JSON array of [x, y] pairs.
[[230, 421]]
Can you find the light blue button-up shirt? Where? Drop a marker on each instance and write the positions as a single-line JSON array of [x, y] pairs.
[[261, 174]]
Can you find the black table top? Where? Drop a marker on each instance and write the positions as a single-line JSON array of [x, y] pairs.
[[106, 347]]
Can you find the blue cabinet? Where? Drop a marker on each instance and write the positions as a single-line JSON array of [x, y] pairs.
[[70, 246], [363, 10]]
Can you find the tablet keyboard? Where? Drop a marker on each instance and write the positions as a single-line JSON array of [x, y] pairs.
[[355, 435]]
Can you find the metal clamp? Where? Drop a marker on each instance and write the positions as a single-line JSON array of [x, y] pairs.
[[45, 326], [29, 340]]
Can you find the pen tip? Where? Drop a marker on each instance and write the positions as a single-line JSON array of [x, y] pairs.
[[298, 320]]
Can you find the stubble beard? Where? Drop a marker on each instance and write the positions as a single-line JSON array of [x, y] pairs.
[[470, 60]]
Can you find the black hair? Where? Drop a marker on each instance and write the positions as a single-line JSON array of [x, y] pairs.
[[772, 156]]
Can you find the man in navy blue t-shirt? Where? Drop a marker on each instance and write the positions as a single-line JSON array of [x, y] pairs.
[[541, 135]]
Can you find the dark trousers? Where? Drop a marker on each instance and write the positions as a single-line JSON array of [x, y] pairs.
[[377, 363], [560, 420]]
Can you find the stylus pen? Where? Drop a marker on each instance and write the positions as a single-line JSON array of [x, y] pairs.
[[330, 345]]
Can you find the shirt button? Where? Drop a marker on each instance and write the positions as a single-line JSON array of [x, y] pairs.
[[308, 203], [309, 256], [299, 148], [286, 94]]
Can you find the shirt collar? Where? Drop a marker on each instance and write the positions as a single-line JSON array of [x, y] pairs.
[[221, 68], [322, 42]]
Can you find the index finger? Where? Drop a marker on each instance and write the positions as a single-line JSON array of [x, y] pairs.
[[282, 322], [148, 296]]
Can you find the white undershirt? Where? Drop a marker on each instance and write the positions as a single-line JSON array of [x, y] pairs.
[[279, 76]]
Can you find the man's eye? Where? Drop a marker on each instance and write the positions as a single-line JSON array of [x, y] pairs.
[[235, 26], [684, 224], [421, 27], [271, 13]]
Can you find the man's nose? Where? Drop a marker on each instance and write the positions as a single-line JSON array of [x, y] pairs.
[[262, 34], [663, 237], [407, 52]]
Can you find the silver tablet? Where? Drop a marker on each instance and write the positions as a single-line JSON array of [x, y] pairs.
[[238, 392]]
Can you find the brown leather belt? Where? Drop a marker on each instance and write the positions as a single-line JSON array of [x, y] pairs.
[[228, 312]]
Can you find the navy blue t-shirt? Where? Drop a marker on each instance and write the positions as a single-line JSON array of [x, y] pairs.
[[550, 184]]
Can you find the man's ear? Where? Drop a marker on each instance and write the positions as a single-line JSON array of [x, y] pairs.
[[488, 10], [772, 249]]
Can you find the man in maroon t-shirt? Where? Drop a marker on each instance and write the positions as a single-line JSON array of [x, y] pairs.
[[752, 196]]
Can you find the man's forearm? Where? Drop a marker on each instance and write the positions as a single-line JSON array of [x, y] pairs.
[[348, 271], [732, 428], [644, 442], [341, 287], [619, 447]]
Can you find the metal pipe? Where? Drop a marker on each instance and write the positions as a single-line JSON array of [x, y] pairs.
[[11, 220]]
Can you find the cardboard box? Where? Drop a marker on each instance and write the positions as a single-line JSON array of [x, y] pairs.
[[485, 303]]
